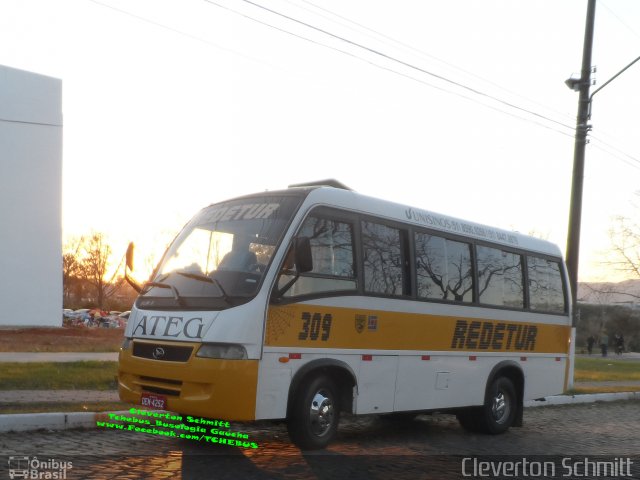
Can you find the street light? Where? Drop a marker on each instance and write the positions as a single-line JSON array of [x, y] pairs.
[[581, 84], [607, 83], [573, 83]]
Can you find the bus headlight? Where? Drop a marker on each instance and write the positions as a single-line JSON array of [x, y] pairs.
[[226, 351]]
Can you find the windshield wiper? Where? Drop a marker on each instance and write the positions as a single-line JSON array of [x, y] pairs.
[[205, 278], [173, 289]]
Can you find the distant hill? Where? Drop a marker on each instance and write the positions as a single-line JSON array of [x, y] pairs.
[[626, 292]]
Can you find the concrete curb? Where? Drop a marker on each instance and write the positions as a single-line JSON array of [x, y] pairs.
[[586, 398], [23, 422]]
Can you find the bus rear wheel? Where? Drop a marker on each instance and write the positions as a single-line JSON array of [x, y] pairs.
[[314, 414], [498, 412]]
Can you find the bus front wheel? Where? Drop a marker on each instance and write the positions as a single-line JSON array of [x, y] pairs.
[[498, 412], [314, 415]]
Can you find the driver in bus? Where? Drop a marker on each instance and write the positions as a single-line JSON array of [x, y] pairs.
[[240, 258]]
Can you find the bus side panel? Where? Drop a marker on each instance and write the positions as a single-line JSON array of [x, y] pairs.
[[376, 384], [440, 381], [544, 376], [274, 379], [366, 327], [410, 360], [275, 376]]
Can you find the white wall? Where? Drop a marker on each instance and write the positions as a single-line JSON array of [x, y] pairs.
[[30, 199]]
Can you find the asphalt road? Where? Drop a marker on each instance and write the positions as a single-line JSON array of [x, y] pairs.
[[366, 448]]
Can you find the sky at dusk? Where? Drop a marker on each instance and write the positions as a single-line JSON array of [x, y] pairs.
[[458, 107]]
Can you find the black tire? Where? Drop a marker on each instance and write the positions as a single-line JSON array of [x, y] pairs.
[[500, 407], [498, 412], [314, 413]]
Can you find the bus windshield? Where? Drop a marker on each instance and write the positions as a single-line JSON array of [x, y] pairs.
[[220, 257]]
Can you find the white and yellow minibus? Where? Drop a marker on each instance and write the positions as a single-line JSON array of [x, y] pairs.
[[304, 303]]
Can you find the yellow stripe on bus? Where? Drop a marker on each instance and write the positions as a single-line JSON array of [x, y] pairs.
[[304, 325]]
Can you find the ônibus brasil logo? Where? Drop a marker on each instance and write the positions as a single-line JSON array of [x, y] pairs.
[[27, 467]]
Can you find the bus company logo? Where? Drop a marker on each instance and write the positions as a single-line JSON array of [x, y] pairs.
[[169, 326], [361, 321], [27, 467], [477, 335], [372, 323], [158, 353]]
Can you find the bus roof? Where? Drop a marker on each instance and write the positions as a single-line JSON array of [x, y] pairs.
[[351, 200]]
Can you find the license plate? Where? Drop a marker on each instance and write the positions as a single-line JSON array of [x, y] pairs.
[[154, 401]]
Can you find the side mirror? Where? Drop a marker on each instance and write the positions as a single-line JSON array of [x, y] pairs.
[[304, 263], [130, 249], [303, 257], [129, 266]]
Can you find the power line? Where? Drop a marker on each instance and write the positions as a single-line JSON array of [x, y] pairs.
[[406, 64], [467, 97], [385, 56], [473, 90], [174, 30], [301, 37], [630, 157], [205, 41], [420, 52], [631, 29], [356, 57], [458, 84], [200, 39], [492, 107], [618, 157]]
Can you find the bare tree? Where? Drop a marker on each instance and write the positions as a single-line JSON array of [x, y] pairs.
[[94, 267], [72, 271], [625, 246]]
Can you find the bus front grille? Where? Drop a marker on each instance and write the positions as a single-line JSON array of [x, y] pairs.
[[162, 352]]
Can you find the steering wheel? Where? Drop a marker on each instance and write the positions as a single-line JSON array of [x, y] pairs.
[[257, 268]]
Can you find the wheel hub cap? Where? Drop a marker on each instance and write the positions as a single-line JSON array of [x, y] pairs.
[[500, 408], [321, 413]]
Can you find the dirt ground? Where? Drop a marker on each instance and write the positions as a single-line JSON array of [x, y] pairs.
[[63, 339]]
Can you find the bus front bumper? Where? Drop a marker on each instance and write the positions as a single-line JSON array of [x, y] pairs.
[[205, 387]]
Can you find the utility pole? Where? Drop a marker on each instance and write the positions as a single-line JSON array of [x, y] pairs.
[[582, 128]]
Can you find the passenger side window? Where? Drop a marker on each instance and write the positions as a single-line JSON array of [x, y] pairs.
[[545, 285], [382, 255], [332, 253], [500, 277], [443, 268]]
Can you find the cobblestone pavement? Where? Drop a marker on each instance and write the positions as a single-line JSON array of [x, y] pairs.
[[366, 448]]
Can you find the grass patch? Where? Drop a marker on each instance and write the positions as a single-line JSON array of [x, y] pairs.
[[65, 407], [617, 389], [61, 339], [90, 375], [604, 369]]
